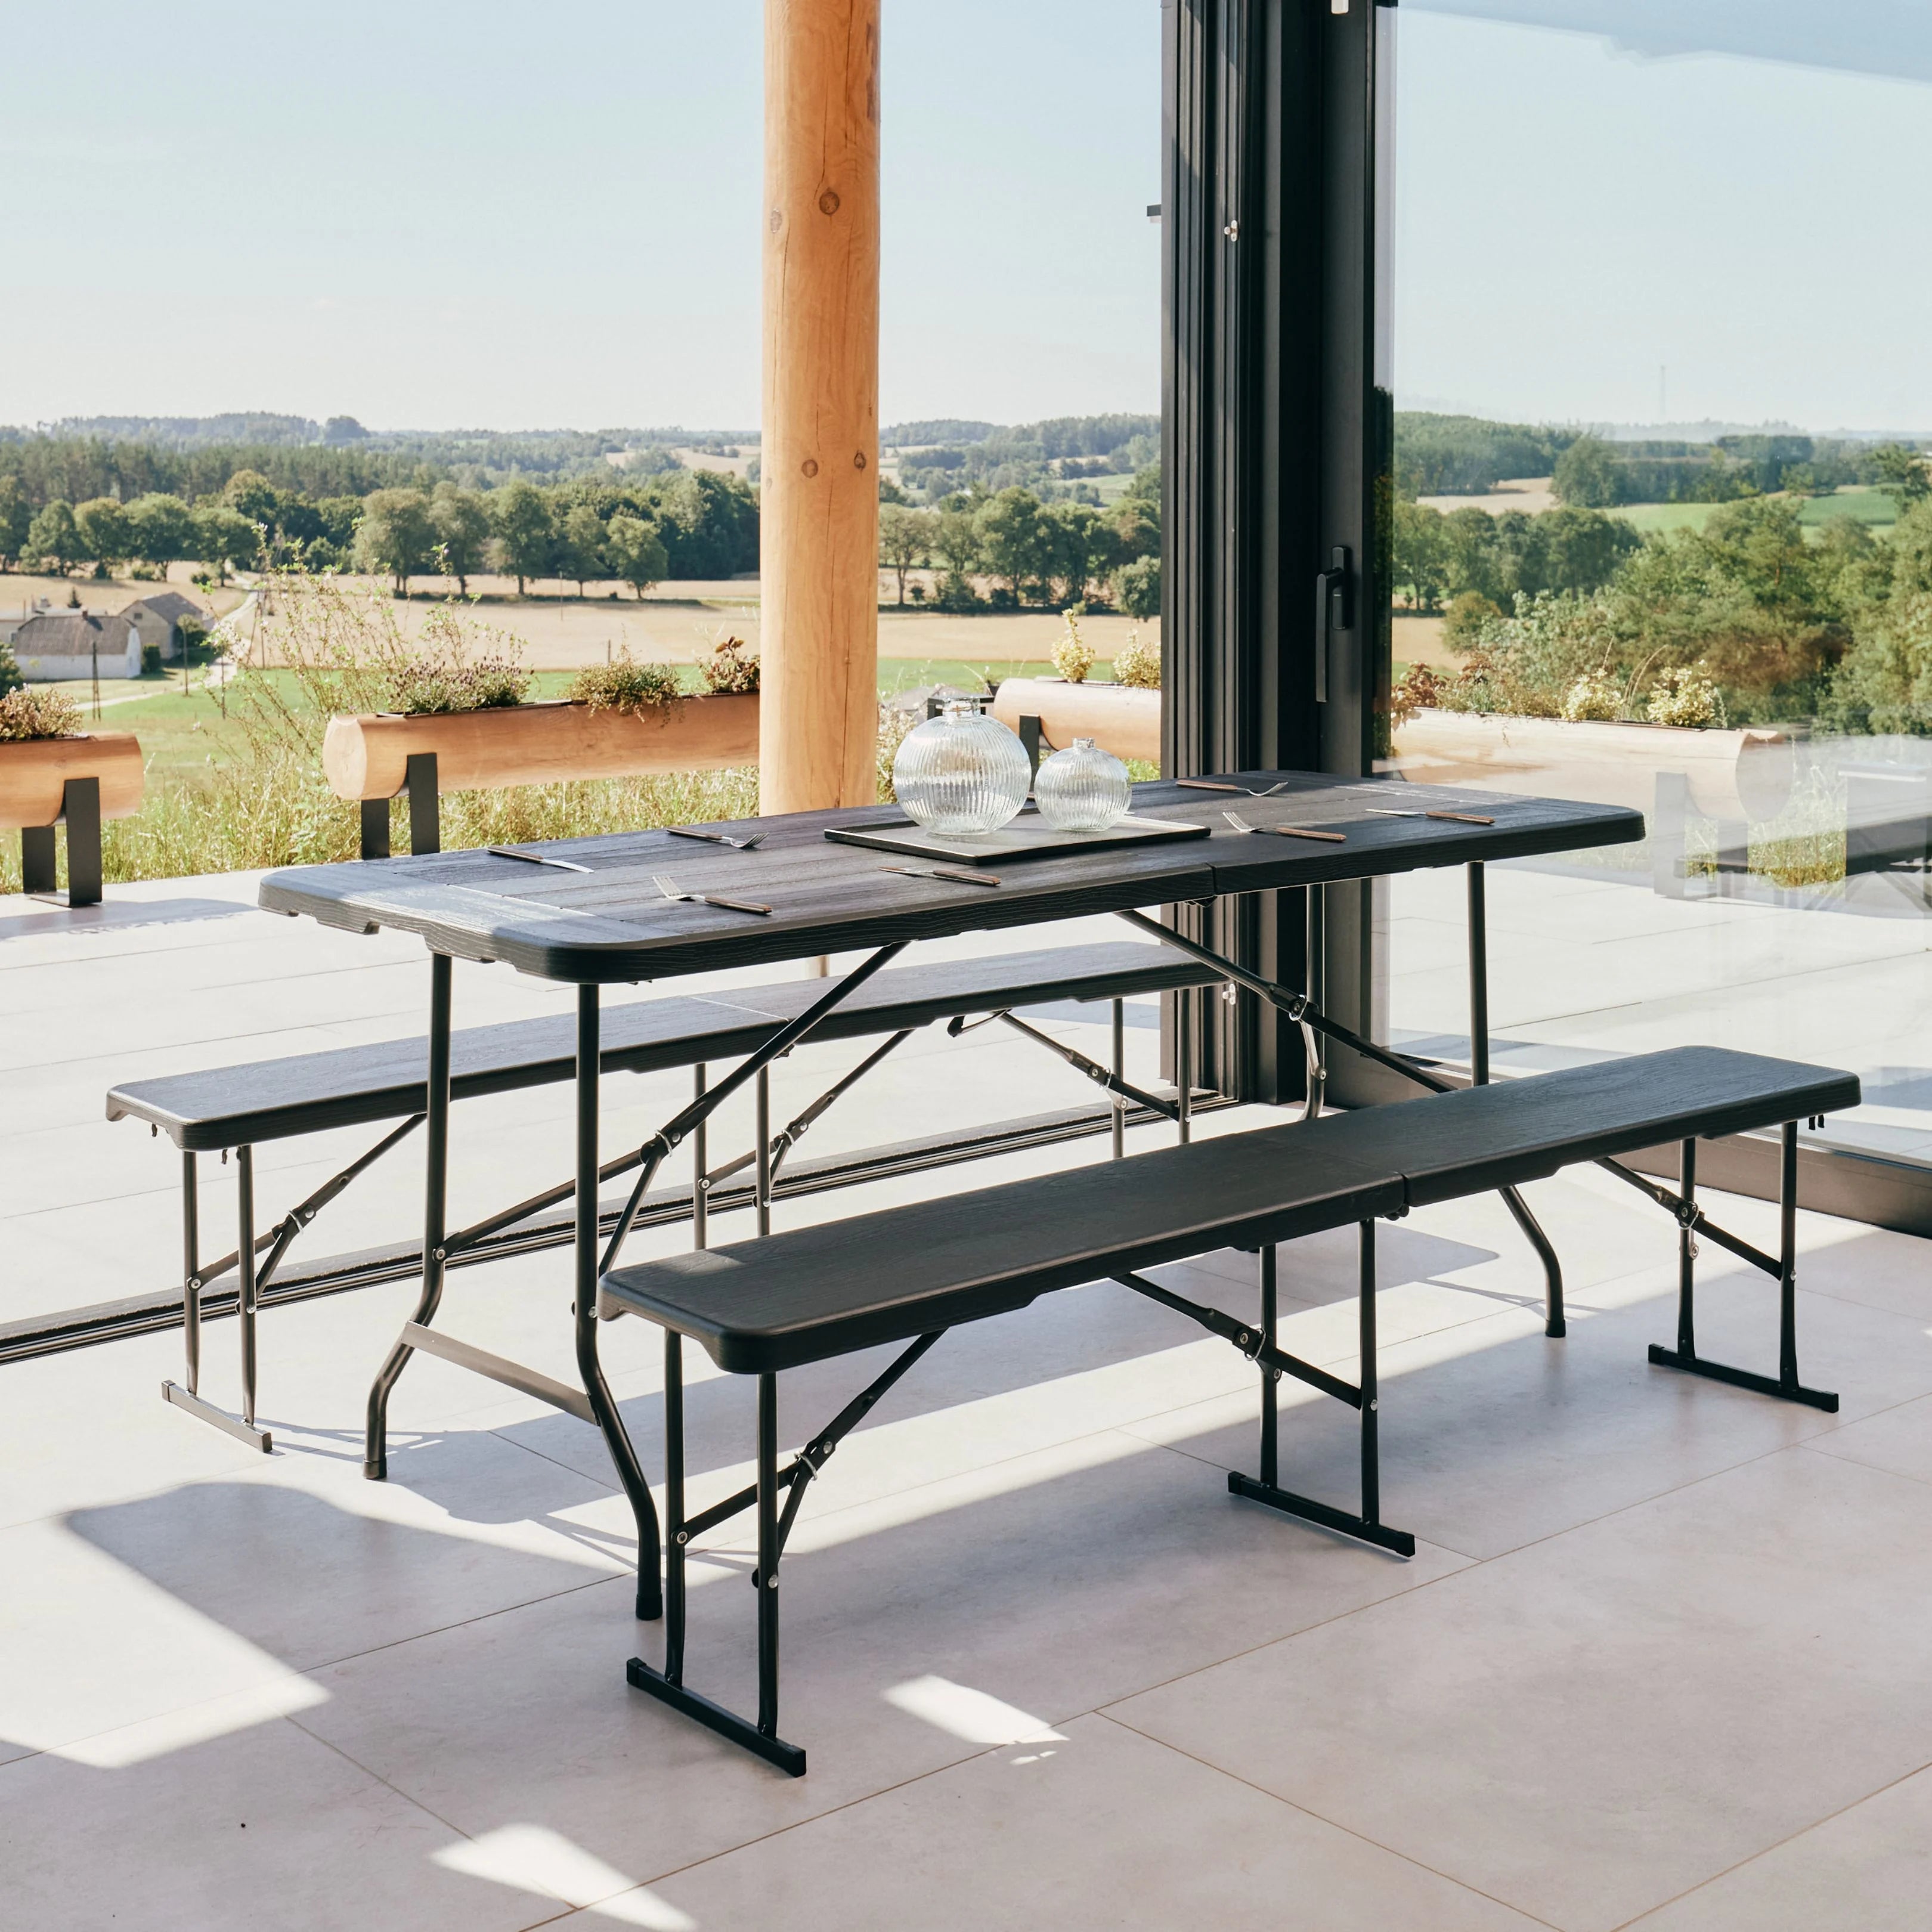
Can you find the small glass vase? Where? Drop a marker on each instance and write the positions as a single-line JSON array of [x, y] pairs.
[[961, 772], [1082, 789]]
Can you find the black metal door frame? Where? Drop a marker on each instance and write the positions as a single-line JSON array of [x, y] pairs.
[[1277, 431]]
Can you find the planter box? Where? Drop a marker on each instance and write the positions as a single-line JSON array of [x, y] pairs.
[[1119, 718], [539, 744], [34, 773], [1730, 775]]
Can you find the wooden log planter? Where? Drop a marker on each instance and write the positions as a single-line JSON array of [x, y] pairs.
[[80, 780], [1733, 776], [1124, 719], [374, 758]]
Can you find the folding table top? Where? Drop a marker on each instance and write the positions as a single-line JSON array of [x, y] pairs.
[[609, 923]]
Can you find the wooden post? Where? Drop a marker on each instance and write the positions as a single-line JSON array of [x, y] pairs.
[[819, 461]]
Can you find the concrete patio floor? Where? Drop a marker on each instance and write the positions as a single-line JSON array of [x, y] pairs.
[[1662, 1656]]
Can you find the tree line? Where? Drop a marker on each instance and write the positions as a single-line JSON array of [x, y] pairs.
[[685, 523], [1054, 553]]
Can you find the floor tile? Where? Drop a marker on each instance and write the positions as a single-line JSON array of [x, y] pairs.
[[1589, 1727], [1092, 1829]]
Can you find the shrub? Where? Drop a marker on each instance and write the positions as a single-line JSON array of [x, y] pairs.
[[28, 713], [731, 669], [1464, 620], [441, 678], [1072, 655], [1137, 663], [624, 685], [1884, 682], [11, 679], [1525, 666]]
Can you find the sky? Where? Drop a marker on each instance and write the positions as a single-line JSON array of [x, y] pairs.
[[508, 216], [549, 217], [1577, 215]]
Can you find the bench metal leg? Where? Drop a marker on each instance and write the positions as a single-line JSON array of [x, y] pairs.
[[190, 1398], [1368, 1527], [436, 1197], [1786, 1385], [1270, 1377], [675, 1535], [1314, 1051], [766, 1578]]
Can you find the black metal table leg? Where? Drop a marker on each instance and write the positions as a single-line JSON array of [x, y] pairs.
[[436, 1196], [603, 1406], [675, 1533], [1479, 979], [1372, 1474], [762, 1161], [191, 1272], [700, 1169], [1687, 1254], [1119, 1122], [1184, 1062], [244, 1264], [767, 1575]]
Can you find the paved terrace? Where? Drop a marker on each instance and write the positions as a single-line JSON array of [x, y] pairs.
[[1662, 1656]]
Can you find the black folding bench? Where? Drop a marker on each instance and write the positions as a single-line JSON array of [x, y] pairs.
[[240, 1107], [907, 1274]]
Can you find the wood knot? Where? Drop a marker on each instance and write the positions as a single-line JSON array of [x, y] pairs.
[[828, 202], [777, 220], [859, 460], [809, 467]]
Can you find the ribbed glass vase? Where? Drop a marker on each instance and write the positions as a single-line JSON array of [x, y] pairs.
[[960, 772], [1082, 789]]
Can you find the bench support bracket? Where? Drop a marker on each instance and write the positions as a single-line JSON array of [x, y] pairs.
[[1302, 1009]]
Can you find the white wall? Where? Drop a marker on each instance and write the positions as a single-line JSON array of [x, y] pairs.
[[60, 671]]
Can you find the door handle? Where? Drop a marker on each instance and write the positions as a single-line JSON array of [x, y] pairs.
[[1334, 610]]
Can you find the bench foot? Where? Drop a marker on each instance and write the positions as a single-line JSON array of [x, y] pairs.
[[376, 1468], [790, 1758], [220, 1418], [1721, 1372], [1397, 1540]]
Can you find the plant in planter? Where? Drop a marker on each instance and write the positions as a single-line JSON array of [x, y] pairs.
[[1072, 655], [26, 713], [731, 669], [1137, 664], [1685, 697], [625, 685]]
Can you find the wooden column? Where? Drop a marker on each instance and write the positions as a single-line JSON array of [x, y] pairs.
[[819, 716]]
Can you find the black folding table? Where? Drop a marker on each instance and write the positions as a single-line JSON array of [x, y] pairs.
[[599, 918]]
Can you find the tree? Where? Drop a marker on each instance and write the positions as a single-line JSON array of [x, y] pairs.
[[636, 553], [1576, 549], [1010, 529], [460, 521], [524, 534], [225, 538], [1075, 543], [54, 537], [1421, 552], [1588, 475], [396, 536], [579, 547], [160, 530], [105, 538], [956, 537], [906, 538], [1137, 588], [258, 499], [1901, 474], [17, 517]]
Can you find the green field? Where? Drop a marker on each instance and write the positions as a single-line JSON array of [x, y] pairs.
[[1869, 507]]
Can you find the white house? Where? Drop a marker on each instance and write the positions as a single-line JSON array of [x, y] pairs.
[[56, 647]]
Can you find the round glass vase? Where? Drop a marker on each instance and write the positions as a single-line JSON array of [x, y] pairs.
[[960, 773], [1082, 789]]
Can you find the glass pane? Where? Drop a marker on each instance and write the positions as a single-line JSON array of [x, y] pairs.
[[1664, 537]]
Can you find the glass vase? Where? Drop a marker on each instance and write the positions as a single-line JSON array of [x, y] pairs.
[[1082, 789], [960, 772]]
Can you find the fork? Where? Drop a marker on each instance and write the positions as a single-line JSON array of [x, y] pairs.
[[750, 844], [667, 886], [1240, 824], [959, 874]]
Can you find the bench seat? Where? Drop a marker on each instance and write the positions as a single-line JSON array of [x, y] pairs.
[[275, 1100], [805, 1294]]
